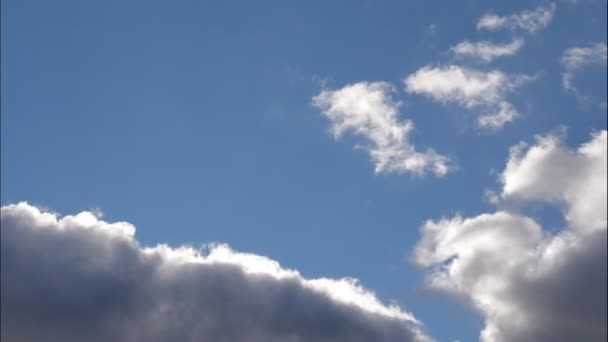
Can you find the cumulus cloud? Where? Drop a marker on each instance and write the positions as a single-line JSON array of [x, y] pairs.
[[469, 88], [529, 284], [487, 51], [368, 110], [531, 21], [78, 278], [577, 58], [550, 172]]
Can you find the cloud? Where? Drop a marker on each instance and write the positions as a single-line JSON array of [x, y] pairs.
[[77, 278], [550, 172], [487, 51], [529, 284], [469, 88], [531, 21], [368, 110], [577, 58], [506, 113]]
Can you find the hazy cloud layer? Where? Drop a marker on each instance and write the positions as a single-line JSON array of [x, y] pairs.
[[577, 58], [531, 21], [487, 51], [78, 278], [368, 110], [529, 284], [469, 88]]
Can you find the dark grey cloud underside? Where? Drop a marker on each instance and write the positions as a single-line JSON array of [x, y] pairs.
[[83, 285], [571, 303]]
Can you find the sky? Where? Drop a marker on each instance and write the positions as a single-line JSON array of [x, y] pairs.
[[450, 157]]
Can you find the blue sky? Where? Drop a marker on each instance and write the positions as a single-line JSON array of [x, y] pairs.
[[195, 121]]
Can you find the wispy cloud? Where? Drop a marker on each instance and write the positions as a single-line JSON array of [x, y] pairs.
[[531, 21], [577, 58], [506, 113], [487, 51], [368, 110], [469, 88]]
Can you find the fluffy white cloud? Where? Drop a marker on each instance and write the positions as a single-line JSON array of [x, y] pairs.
[[487, 51], [529, 284], [578, 57], [550, 172], [531, 21], [469, 88], [368, 110], [77, 278]]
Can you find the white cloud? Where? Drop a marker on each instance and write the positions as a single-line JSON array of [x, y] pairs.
[[78, 278], [469, 88], [506, 113], [577, 58], [552, 173], [529, 284], [487, 51], [368, 110], [531, 21]]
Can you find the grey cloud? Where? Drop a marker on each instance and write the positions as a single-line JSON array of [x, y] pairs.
[[531, 284], [568, 302], [78, 278]]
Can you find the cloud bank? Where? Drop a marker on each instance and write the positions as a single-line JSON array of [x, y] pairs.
[[78, 278], [531, 21], [529, 284], [487, 51], [469, 88], [368, 110]]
